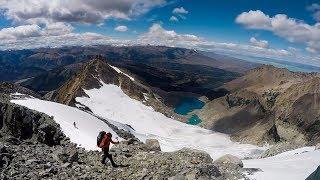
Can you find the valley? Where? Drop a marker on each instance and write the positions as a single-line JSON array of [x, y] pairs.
[[258, 115]]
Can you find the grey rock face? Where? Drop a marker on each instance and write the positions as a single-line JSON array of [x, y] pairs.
[[5, 156], [229, 160], [23, 123], [152, 145], [230, 167]]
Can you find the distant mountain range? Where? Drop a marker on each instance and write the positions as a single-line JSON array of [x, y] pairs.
[[164, 68], [291, 65]]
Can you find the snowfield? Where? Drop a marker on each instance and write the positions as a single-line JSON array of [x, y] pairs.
[[111, 103], [87, 126], [296, 164]]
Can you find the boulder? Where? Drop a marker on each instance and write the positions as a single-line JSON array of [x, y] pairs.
[[3, 149], [229, 161], [70, 156], [49, 134], [5, 157], [61, 157], [73, 156], [317, 146], [152, 145]]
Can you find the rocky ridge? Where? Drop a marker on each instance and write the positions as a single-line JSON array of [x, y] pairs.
[[98, 71], [268, 104]]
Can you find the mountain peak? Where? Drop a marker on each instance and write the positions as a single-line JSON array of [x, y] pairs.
[[89, 77]]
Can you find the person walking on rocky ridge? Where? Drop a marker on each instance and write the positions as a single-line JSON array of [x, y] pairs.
[[104, 144]]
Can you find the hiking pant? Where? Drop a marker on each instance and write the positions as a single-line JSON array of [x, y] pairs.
[[106, 155]]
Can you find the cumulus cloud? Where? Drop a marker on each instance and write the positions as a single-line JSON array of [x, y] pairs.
[[52, 35], [121, 28], [173, 18], [80, 11], [58, 28], [180, 10], [42, 23], [254, 20], [28, 31], [281, 25], [20, 32], [315, 8], [70, 39], [313, 47], [178, 13], [259, 43], [159, 36]]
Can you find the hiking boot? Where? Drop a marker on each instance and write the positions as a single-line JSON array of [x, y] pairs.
[[115, 166]]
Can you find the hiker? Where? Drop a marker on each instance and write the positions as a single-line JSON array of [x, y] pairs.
[[104, 145], [74, 124]]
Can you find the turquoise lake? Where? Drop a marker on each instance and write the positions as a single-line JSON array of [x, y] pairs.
[[187, 105], [194, 120]]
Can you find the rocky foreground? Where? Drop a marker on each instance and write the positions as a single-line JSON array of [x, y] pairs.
[[32, 146]]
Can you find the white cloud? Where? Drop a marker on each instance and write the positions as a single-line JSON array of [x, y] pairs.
[[254, 20], [28, 31], [41, 23], [121, 28], [315, 8], [313, 47], [157, 35], [180, 10], [80, 11], [58, 28], [173, 18], [70, 39], [52, 35], [20, 32], [259, 43], [281, 25]]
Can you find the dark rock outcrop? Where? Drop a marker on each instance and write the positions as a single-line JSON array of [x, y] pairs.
[[23, 123], [8, 88]]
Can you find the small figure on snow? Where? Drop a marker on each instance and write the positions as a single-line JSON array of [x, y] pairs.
[[74, 124]]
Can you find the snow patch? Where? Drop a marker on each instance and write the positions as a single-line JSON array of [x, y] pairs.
[[296, 164], [119, 71], [87, 126], [145, 95]]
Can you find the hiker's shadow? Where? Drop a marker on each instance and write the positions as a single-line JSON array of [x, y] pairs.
[[122, 165]]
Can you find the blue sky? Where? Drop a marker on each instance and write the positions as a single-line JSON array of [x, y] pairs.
[[285, 30]]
